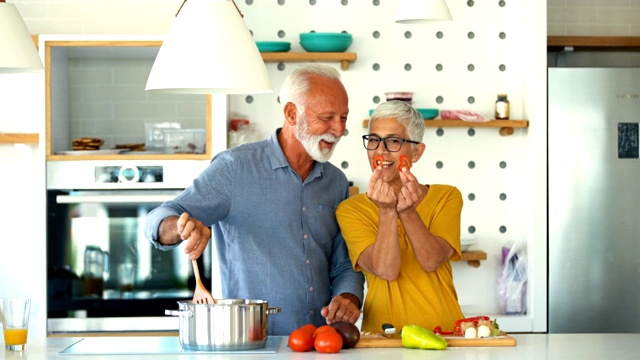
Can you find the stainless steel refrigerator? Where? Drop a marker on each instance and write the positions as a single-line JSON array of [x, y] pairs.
[[594, 200]]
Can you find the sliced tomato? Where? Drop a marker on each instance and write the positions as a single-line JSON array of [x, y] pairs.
[[404, 163], [377, 161]]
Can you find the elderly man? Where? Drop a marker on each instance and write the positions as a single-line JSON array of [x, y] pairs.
[[272, 205]]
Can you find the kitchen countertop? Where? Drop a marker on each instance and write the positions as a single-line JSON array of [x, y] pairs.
[[530, 346]]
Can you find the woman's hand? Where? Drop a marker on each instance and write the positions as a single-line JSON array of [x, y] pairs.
[[410, 193], [195, 233], [381, 192]]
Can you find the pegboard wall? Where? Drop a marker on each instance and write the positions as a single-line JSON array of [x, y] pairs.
[[450, 65]]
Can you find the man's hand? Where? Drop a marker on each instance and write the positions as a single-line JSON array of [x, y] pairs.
[[195, 233], [343, 307]]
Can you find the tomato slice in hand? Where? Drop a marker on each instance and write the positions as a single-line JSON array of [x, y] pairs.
[[404, 163], [377, 161]]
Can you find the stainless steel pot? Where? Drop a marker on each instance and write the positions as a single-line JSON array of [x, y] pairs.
[[229, 324]]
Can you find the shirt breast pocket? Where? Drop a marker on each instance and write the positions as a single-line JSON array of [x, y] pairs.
[[323, 225]]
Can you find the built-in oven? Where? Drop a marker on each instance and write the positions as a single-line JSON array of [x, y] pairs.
[[103, 274]]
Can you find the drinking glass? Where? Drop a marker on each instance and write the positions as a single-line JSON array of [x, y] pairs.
[[15, 322]]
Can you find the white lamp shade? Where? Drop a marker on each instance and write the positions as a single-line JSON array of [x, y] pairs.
[[416, 11], [209, 50], [18, 53]]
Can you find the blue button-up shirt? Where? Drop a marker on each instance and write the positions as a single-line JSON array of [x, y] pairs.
[[277, 237]]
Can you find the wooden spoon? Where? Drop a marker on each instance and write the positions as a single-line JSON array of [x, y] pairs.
[[200, 295]]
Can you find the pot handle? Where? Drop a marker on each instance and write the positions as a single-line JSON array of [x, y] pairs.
[[187, 313], [273, 310]]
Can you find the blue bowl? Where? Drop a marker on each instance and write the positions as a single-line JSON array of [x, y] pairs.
[[325, 42]]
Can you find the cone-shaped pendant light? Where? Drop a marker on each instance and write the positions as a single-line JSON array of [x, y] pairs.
[[416, 11], [209, 50], [18, 53]]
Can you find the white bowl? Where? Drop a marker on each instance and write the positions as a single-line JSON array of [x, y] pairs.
[[466, 242]]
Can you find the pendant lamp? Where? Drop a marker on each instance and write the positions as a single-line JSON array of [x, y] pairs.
[[18, 53], [209, 50], [417, 11]]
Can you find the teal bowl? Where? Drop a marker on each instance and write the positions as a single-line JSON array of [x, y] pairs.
[[273, 46], [426, 113], [325, 42]]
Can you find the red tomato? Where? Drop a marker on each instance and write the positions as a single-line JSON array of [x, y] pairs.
[[328, 342], [309, 327], [324, 328], [300, 340]]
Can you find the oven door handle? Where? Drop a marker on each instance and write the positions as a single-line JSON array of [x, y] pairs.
[[114, 199]]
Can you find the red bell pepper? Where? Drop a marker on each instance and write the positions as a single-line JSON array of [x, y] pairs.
[[404, 163], [377, 161], [457, 327]]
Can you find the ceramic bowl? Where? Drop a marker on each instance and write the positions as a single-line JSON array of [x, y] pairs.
[[325, 42], [273, 46], [428, 113]]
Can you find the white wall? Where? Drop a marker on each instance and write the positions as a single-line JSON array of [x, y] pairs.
[[521, 51]]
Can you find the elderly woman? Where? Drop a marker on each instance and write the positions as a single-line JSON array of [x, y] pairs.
[[403, 234]]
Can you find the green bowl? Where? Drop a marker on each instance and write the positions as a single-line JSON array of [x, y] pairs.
[[273, 46], [325, 42]]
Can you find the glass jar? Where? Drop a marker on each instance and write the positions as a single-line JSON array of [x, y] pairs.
[[502, 107]]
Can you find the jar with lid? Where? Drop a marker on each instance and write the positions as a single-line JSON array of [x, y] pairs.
[[502, 107]]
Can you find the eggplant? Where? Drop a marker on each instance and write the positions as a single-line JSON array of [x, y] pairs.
[[349, 333]]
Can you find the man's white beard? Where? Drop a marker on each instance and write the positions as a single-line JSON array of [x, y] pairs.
[[311, 143]]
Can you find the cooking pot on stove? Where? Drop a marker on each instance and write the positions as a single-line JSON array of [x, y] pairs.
[[229, 324]]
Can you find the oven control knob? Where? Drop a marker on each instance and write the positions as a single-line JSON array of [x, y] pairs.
[[128, 174]]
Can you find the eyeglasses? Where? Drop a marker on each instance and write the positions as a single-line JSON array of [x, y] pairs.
[[391, 143]]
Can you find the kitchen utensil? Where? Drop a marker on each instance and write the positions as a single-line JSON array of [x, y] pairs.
[[325, 41], [388, 329], [229, 324], [273, 46], [386, 341], [200, 295]]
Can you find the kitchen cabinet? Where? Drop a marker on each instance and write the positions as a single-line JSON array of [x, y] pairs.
[[345, 58], [96, 88], [506, 126]]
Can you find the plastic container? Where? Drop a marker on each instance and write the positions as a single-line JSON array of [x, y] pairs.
[[185, 141]]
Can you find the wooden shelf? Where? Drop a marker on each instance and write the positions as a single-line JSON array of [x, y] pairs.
[[9, 138], [594, 43], [132, 155], [473, 257], [345, 58], [506, 126]]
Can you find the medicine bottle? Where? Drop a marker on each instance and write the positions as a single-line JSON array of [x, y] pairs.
[[502, 107]]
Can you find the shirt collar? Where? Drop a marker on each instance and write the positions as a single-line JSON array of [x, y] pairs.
[[278, 160]]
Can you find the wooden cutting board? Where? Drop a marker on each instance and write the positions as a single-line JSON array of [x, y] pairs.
[[381, 341]]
